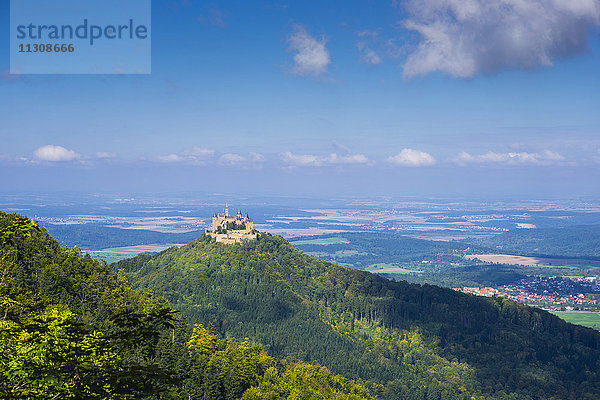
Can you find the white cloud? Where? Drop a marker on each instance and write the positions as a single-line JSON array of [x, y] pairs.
[[545, 157], [370, 47], [309, 160], [202, 156], [412, 158], [55, 153], [233, 159], [7, 159], [366, 33], [256, 157], [333, 158], [199, 152], [195, 155], [171, 158], [104, 154], [304, 160], [369, 56], [463, 38], [312, 56]]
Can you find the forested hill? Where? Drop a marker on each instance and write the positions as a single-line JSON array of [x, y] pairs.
[[403, 340], [70, 327]]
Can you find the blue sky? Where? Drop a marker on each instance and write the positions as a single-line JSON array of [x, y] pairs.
[[432, 97]]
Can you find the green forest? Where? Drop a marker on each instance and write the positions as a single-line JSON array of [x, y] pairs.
[[302, 308], [263, 320]]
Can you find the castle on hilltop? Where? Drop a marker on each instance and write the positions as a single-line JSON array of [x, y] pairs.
[[232, 228]]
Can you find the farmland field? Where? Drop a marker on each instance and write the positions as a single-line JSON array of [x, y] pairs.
[[321, 241], [525, 260], [386, 268], [589, 319], [119, 253]]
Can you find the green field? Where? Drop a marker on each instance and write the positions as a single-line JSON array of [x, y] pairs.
[[383, 265], [322, 241], [119, 253], [585, 318], [389, 268]]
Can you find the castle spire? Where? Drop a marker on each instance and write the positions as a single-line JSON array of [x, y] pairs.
[[226, 210]]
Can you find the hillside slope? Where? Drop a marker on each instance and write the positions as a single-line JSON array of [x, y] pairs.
[[405, 340], [70, 327]]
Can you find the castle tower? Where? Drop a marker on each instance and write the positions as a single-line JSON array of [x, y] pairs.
[[226, 210], [215, 222]]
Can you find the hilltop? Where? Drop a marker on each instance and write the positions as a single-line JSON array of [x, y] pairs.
[[403, 340]]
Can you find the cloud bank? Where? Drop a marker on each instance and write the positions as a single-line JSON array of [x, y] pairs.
[[463, 38], [202, 156], [312, 56], [512, 158]]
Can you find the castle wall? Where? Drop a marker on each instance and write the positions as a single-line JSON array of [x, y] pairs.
[[231, 238]]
